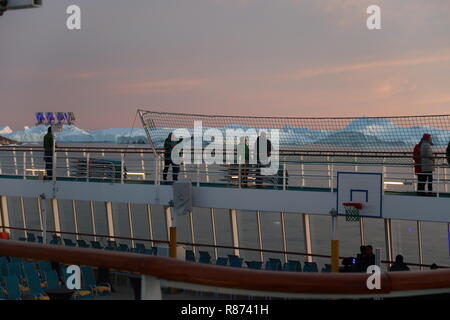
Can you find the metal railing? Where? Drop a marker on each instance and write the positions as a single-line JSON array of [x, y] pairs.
[[296, 170], [158, 271]]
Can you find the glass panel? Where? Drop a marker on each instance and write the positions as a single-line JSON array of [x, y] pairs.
[[183, 228], [203, 228], [375, 236], [404, 234], [159, 223], [84, 218], [202, 225], [349, 237], [223, 231], [66, 218], [140, 222], [271, 234], [121, 222], [100, 218], [15, 217], [49, 216], [32, 213], [248, 234], [320, 234], [435, 243], [294, 235]]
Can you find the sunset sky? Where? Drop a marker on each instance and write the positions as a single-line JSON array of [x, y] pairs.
[[243, 57]]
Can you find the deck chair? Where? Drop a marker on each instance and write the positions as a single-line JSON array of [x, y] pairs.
[[13, 288], [88, 279]]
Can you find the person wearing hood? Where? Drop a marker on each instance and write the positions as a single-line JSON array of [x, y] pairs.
[[427, 164]]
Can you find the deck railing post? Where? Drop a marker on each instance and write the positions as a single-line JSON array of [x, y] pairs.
[[239, 175], [54, 166], [307, 235], [87, 167], [284, 176], [438, 181], [24, 165], [234, 230], [122, 166]]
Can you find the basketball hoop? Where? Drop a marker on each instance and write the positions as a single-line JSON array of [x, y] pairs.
[[352, 211]]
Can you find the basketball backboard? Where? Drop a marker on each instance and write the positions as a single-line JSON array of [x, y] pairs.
[[361, 187]]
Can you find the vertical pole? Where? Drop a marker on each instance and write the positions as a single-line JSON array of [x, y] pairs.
[[56, 218], [378, 257], [22, 209], [307, 234], [75, 218], [87, 167], [173, 242], [362, 232], [438, 181], [44, 218], [191, 226], [234, 230], [5, 213], [54, 166], [67, 164], [420, 242], [32, 162], [213, 227], [122, 166], [260, 239], [150, 224], [334, 245], [168, 216], [109, 217], [283, 234], [130, 221], [284, 176], [24, 165], [239, 175], [16, 170], [198, 175], [143, 165], [388, 235], [94, 225], [302, 171]]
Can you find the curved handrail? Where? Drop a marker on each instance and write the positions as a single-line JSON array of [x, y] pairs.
[[174, 270]]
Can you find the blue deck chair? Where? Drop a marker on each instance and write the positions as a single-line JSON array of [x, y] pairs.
[[112, 244], [236, 262], [273, 265], [31, 237], [88, 279], [13, 288], [326, 268], [190, 256], [69, 243], [256, 265], [96, 245], [82, 244], [52, 279], [16, 259], [310, 267], [122, 247], [205, 257], [15, 268], [34, 283], [140, 248], [56, 241], [40, 239], [222, 261], [292, 266], [22, 239]]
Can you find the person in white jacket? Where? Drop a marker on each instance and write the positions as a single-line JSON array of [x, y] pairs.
[[427, 165]]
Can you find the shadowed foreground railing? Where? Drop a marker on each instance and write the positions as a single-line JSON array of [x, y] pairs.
[[157, 271]]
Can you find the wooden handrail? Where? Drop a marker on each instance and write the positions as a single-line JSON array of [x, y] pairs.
[[294, 253], [227, 277]]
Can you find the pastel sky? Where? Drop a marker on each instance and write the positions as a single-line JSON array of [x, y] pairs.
[[243, 57]]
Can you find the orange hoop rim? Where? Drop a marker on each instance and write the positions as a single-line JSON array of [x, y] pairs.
[[356, 205]]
